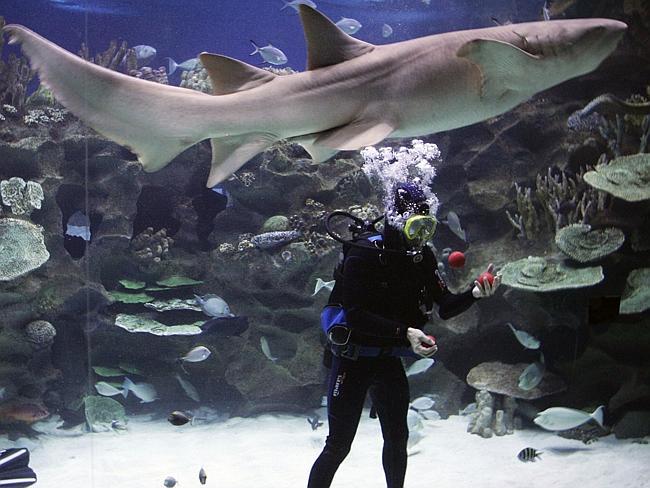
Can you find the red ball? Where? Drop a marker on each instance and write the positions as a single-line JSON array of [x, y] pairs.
[[486, 276], [456, 260]]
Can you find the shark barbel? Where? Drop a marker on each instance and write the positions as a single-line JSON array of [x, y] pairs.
[[352, 95]]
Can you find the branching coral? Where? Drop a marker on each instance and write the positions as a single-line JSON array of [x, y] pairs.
[[113, 57]]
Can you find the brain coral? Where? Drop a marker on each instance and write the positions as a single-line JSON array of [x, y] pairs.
[[22, 248]]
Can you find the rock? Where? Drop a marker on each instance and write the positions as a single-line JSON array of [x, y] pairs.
[[276, 223], [634, 424], [497, 377], [23, 248], [40, 332], [101, 412]]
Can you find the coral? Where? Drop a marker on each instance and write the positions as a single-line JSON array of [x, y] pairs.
[[146, 73], [366, 212], [503, 379], [481, 421], [43, 117], [526, 221], [101, 412], [227, 248], [23, 248], [583, 244], [135, 323], [276, 223], [15, 75], [113, 57], [132, 285], [21, 196], [197, 79], [177, 281], [626, 177], [174, 304], [123, 297], [150, 246], [636, 296], [538, 274], [387, 168], [272, 240], [40, 332]]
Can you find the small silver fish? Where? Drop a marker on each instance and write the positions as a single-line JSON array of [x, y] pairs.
[[386, 31], [197, 354], [532, 375], [270, 54], [170, 482], [419, 366], [188, 388], [349, 26], [146, 392], [186, 65], [524, 338], [264, 344], [528, 454], [320, 284], [560, 418], [202, 476], [315, 421], [453, 222], [213, 305], [106, 389], [422, 403], [144, 53]]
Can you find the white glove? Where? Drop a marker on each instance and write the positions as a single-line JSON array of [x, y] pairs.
[[486, 289], [421, 344]]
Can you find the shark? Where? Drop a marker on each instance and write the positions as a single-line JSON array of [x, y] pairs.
[[353, 94]]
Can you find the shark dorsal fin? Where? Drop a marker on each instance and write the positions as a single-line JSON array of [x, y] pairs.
[[326, 43], [230, 75]]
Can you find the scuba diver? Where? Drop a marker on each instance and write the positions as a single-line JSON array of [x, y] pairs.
[[386, 285], [14, 469]]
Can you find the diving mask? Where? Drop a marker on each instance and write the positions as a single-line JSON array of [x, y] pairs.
[[420, 228]]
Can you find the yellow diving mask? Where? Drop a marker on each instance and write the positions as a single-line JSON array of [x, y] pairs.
[[420, 228]]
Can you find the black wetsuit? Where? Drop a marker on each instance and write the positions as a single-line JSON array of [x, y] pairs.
[[382, 295]]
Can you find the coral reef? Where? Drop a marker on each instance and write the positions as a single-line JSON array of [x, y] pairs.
[[540, 274], [636, 296], [151, 247], [150, 74], [114, 57], [23, 197], [23, 248], [197, 79], [134, 323], [15, 75], [45, 116], [585, 245], [626, 177]]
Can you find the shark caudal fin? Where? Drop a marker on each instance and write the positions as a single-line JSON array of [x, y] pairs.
[[157, 122]]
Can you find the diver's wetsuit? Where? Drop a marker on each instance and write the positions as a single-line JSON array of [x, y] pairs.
[[382, 296]]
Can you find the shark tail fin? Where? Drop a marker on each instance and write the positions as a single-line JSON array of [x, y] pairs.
[[128, 110], [598, 415]]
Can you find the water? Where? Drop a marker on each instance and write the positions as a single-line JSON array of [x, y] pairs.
[[128, 292]]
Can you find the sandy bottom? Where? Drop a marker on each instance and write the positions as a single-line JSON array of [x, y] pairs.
[[277, 451]]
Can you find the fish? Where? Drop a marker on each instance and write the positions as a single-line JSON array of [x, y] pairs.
[[528, 454], [532, 375], [22, 413], [118, 425], [546, 11], [78, 225], [453, 222], [202, 476], [213, 306], [270, 54], [188, 388], [524, 338], [146, 392], [349, 26], [186, 65], [170, 482], [386, 31], [179, 418], [144, 54], [295, 3], [419, 366], [96, 7], [463, 77], [561, 418], [315, 421], [422, 403], [3, 393], [107, 389], [197, 354], [320, 284], [264, 344]]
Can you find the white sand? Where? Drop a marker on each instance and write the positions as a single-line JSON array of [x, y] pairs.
[[277, 452]]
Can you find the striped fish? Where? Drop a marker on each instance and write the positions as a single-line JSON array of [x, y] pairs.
[[528, 454]]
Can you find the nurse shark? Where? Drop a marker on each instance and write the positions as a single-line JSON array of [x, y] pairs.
[[353, 94]]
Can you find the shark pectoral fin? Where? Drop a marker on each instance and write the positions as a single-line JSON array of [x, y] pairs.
[[231, 153], [503, 66], [318, 153], [230, 75], [326, 43], [128, 110], [355, 135]]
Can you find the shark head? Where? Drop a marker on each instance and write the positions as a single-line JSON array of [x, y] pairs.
[[572, 47]]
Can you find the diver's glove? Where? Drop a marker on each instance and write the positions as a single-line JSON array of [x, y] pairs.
[[485, 288], [421, 344]]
